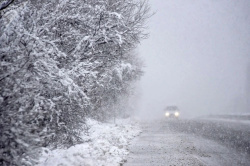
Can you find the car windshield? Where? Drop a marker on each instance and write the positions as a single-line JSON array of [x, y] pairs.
[[171, 108]]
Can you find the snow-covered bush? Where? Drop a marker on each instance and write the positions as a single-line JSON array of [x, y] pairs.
[[61, 61]]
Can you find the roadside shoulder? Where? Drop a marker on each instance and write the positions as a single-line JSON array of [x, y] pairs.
[[105, 144]]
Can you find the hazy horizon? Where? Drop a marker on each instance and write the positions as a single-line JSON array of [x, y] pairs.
[[196, 57]]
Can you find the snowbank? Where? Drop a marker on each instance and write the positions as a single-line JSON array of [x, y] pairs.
[[107, 145]]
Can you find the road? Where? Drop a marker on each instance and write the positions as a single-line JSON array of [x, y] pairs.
[[194, 142]]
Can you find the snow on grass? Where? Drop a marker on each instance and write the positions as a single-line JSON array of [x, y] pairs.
[[107, 145]]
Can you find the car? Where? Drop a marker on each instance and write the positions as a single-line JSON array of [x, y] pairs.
[[172, 112]]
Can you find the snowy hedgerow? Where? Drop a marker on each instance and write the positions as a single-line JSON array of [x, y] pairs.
[[62, 61]]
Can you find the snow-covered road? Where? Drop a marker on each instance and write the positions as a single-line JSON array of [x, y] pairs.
[[190, 142]]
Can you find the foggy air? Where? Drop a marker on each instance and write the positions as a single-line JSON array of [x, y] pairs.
[[124, 83], [197, 57]]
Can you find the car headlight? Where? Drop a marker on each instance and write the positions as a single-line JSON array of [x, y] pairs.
[[176, 114], [167, 114]]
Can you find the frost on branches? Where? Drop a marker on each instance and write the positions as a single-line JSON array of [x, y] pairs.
[[63, 61]]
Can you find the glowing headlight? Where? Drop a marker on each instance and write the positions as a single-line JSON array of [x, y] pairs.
[[167, 114], [176, 114]]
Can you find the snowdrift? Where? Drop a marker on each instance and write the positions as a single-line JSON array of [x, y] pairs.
[[106, 144]]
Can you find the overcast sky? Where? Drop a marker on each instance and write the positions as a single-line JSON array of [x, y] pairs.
[[196, 56]]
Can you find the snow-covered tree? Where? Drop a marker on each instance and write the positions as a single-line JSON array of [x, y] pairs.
[[61, 61]]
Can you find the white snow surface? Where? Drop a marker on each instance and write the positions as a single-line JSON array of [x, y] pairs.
[[107, 145]]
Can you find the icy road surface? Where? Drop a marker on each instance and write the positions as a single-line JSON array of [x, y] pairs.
[[191, 142]]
